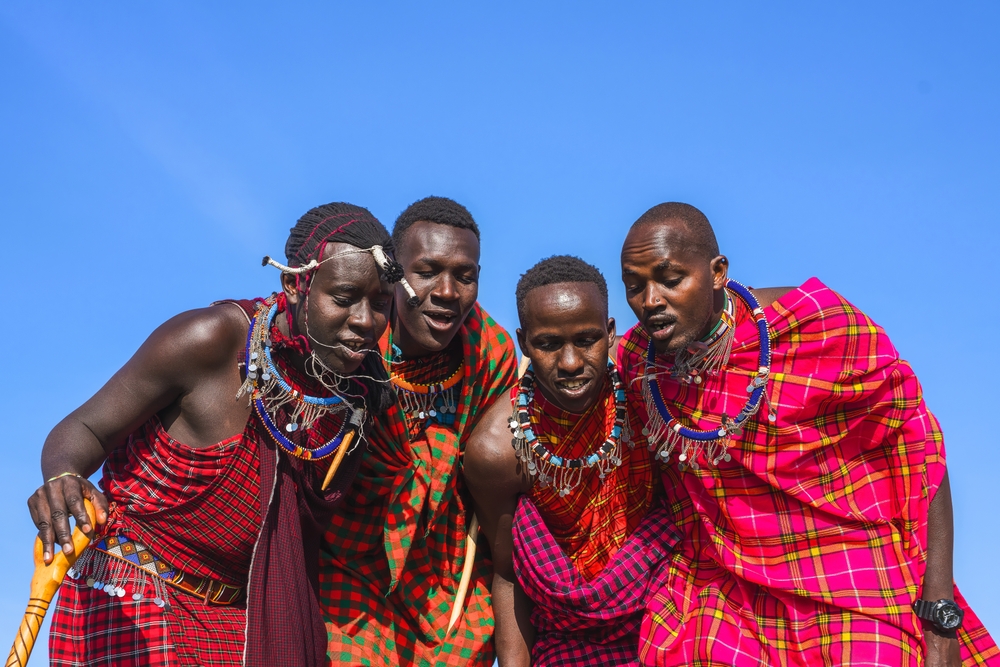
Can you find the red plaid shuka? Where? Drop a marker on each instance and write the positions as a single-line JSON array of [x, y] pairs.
[[195, 507], [808, 548], [395, 550], [591, 522], [589, 622], [238, 512]]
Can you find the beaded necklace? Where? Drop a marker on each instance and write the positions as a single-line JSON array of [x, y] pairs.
[[564, 474], [422, 402], [665, 428], [270, 392]]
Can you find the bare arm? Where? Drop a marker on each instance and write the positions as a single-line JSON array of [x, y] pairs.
[[493, 475], [942, 648], [185, 357]]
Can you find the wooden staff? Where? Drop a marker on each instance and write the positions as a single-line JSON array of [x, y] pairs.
[[470, 558], [44, 584]]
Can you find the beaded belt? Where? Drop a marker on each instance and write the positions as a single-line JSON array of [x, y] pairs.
[[126, 549]]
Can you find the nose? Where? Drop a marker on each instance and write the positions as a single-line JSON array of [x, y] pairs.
[[445, 288], [570, 361], [650, 298], [362, 318]]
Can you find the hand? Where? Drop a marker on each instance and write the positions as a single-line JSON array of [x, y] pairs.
[[53, 503], [942, 648]]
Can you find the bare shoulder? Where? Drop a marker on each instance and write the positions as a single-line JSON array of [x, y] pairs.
[[204, 337], [768, 295], [490, 463]]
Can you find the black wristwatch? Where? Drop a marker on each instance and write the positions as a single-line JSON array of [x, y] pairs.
[[945, 615]]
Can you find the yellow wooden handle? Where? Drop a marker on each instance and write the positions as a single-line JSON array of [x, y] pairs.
[[44, 585]]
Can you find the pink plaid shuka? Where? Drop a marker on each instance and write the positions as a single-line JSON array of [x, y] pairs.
[[580, 622], [809, 547]]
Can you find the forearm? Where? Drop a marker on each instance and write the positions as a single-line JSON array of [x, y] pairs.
[[513, 635], [71, 447]]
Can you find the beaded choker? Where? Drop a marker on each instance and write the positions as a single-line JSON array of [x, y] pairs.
[[564, 474], [666, 429], [421, 402], [270, 392]]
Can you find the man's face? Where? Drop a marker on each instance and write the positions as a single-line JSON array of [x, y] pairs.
[[347, 309], [566, 332], [671, 290], [441, 263]]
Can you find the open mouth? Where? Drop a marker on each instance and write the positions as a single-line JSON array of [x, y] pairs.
[[574, 387], [440, 320], [661, 330], [355, 349]]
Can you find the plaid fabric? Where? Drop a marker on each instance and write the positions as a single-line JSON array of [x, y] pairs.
[[809, 547], [159, 485], [596, 621], [427, 370], [394, 552], [591, 522], [91, 629]]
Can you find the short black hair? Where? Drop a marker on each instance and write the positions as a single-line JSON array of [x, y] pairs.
[[701, 237], [441, 210], [558, 269]]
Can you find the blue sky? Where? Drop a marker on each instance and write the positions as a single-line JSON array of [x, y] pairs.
[[151, 155]]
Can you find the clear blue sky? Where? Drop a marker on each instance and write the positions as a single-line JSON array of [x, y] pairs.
[[151, 155]]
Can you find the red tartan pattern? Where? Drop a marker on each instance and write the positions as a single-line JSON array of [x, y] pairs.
[[807, 548], [196, 508], [591, 522], [395, 550], [90, 629]]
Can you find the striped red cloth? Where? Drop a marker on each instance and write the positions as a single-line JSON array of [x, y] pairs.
[[588, 621], [395, 550], [178, 501], [591, 522], [807, 548]]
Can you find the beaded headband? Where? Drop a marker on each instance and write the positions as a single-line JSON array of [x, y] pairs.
[[392, 269]]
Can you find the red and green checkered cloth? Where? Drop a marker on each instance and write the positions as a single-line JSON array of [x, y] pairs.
[[395, 550], [807, 548]]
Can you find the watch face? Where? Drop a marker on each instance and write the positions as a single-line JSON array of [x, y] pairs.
[[947, 615]]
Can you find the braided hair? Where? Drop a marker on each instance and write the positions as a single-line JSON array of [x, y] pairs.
[[340, 222]]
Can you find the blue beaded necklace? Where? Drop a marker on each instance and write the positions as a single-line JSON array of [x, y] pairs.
[[269, 392], [666, 429], [563, 474]]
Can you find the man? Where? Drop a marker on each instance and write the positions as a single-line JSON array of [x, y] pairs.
[[206, 553], [803, 469], [396, 550], [565, 509]]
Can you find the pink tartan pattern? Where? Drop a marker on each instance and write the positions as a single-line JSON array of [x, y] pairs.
[[596, 622], [91, 629], [808, 548]]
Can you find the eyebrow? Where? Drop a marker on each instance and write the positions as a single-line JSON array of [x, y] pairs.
[[438, 263]]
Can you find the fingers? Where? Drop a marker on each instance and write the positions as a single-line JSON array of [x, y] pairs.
[[99, 501], [38, 506], [53, 504], [58, 513]]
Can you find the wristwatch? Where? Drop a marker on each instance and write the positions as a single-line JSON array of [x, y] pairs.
[[943, 614]]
